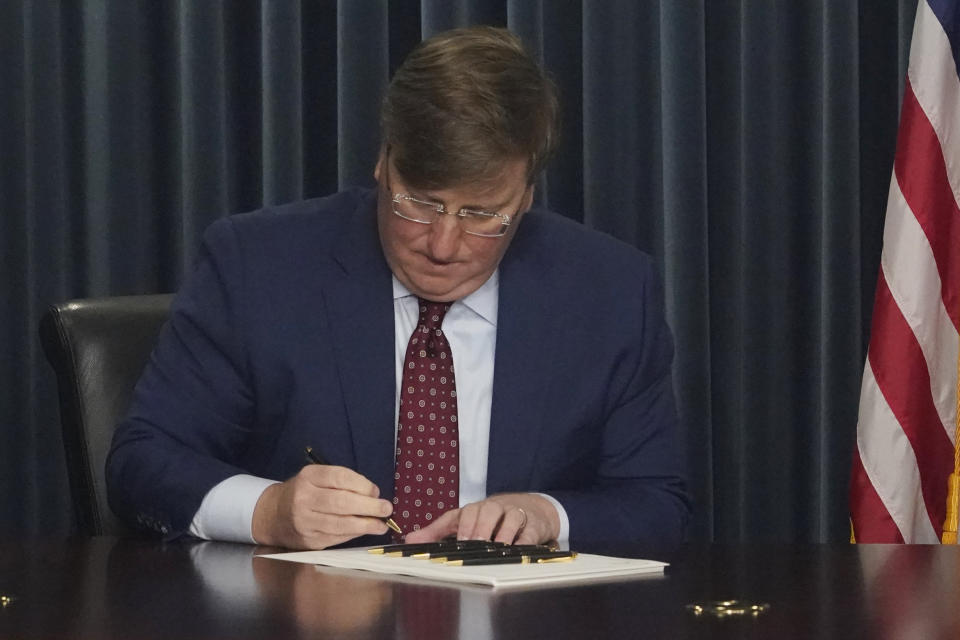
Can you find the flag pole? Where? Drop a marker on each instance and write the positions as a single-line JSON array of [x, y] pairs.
[[953, 484]]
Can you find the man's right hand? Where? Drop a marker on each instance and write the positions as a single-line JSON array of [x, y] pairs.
[[321, 506]]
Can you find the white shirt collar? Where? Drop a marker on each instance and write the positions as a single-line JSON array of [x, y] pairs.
[[483, 301]]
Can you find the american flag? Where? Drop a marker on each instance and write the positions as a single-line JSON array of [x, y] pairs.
[[905, 432]]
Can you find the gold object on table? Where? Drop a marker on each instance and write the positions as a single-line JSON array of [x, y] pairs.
[[727, 608]]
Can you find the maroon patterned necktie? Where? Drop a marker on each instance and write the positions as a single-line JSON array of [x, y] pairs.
[[428, 464]]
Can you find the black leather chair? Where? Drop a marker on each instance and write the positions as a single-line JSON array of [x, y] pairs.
[[98, 348]]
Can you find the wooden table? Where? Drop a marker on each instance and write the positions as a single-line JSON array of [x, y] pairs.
[[122, 588]]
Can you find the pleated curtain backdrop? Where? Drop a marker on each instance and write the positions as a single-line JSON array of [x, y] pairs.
[[746, 144]]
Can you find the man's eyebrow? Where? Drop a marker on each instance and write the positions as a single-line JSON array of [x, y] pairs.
[[495, 207], [421, 195]]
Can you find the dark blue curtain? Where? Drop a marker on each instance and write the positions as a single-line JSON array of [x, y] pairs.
[[746, 144]]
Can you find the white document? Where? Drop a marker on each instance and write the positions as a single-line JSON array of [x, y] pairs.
[[584, 567]]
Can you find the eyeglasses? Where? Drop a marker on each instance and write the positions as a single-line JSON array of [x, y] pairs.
[[486, 224], [476, 223]]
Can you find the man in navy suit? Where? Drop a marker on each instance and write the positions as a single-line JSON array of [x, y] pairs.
[[299, 323]]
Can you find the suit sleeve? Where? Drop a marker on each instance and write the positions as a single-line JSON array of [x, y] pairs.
[[638, 493], [191, 411]]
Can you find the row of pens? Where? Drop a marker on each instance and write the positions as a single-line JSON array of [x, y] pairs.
[[476, 552]]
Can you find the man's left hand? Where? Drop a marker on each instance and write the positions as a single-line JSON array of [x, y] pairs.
[[518, 518]]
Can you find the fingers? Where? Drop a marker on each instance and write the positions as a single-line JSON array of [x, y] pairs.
[[467, 528], [334, 529], [442, 527], [495, 520], [343, 503], [531, 535], [508, 518], [492, 519], [337, 491], [336, 504], [511, 526], [476, 521], [319, 507], [333, 477], [519, 518], [330, 517]]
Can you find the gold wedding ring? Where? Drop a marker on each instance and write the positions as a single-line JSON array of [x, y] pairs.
[[523, 522]]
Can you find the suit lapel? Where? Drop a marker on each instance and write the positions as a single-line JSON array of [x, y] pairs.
[[359, 302], [521, 367]]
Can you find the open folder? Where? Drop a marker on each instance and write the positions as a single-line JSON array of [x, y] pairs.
[[584, 567]]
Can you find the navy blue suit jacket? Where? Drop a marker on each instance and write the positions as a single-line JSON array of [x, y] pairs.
[[283, 337]]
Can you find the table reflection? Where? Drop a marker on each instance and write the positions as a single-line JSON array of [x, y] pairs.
[[325, 602], [340, 602], [911, 594]]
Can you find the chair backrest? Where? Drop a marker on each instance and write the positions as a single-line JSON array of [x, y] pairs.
[[98, 348]]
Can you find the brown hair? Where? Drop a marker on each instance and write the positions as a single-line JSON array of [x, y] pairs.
[[465, 101]]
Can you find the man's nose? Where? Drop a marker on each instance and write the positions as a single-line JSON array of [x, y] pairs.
[[445, 236]]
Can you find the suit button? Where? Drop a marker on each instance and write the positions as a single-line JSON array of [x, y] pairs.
[[164, 530]]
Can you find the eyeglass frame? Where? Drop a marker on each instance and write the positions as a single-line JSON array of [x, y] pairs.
[[441, 209]]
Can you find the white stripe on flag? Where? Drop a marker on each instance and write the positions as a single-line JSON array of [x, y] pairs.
[[933, 75], [911, 273], [890, 464]]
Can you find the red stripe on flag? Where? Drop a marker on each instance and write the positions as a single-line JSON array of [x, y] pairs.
[[871, 520], [901, 373], [922, 176]]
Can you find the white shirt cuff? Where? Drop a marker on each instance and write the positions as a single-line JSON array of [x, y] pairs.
[[226, 512], [564, 520]]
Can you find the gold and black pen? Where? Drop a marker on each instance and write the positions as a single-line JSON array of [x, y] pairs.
[[491, 552], [420, 548], [425, 549], [314, 458], [530, 558]]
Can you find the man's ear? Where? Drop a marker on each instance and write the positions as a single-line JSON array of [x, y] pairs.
[[379, 166], [527, 198]]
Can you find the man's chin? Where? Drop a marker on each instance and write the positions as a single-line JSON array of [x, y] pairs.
[[438, 289], [435, 296]]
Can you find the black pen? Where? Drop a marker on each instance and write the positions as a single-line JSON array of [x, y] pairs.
[[433, 547], [314, 458], [490, 552], [533, 558]]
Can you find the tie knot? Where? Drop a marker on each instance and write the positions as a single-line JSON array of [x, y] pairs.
[[431, 313]]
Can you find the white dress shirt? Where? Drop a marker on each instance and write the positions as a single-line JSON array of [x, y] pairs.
[[470, 326]]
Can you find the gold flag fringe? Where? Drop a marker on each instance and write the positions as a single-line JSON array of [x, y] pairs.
[[953, 484]]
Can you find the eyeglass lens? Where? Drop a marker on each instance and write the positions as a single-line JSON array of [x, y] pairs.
[[471, 222]]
